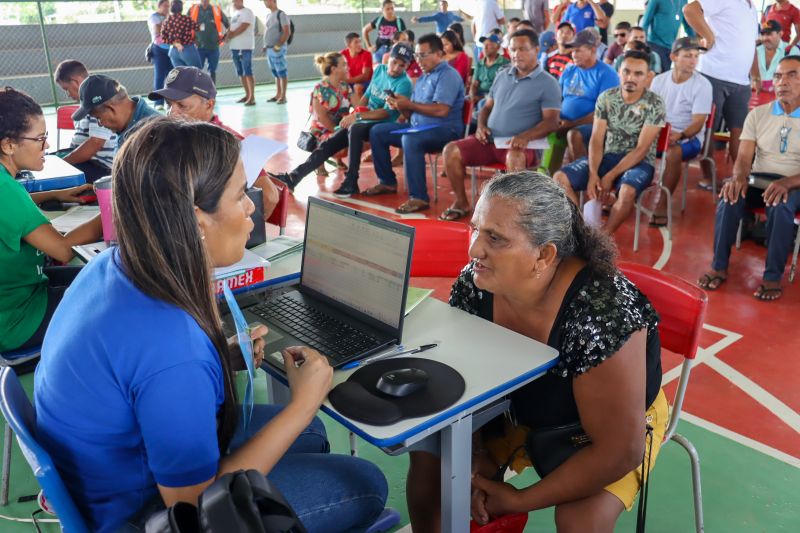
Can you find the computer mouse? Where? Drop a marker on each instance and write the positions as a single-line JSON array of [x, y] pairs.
[[402, 382]]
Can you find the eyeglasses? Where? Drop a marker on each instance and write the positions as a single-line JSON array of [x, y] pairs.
[[618, 35], [42, 139], [423, 56], [784, 133]]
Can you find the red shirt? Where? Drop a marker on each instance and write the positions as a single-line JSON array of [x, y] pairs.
[[358, 65], [215, 120], [557, 63], [414, 71], [786, 17], [461, 64]]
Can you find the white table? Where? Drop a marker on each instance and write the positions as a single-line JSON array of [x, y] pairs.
[[493, 360], [57, 174]]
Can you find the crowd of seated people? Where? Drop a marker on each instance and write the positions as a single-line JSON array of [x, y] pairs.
[[170, 427]]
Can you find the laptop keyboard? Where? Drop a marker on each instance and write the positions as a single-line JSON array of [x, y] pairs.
[[323, 332]]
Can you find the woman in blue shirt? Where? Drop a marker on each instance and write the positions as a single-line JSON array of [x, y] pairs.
[[135, 392]]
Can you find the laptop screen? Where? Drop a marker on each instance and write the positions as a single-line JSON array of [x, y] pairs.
[[358, 260]]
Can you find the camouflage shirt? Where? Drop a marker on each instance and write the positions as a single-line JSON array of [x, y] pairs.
[[625, 121]]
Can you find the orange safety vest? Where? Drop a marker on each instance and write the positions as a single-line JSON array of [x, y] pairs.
[[194, 13]]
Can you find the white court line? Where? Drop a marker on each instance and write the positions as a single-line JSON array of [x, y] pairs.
[[757, 392], [741, 439], [666, 249], [704, 353], [370, 205]]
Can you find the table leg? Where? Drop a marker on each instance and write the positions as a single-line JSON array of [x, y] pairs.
[[456, 450]]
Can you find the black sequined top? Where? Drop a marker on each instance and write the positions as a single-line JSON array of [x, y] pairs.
[[598, 316]]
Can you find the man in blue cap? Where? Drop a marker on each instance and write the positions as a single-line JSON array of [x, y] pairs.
[[108, 101]]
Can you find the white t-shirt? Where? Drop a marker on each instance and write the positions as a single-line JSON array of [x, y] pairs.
[[245, 40], [735, 27], [682, 100], [486, 18]]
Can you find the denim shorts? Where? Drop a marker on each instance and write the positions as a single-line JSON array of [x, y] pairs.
[[639, 177], [690, 148], [586, 133], [277, 62], [243, 61]]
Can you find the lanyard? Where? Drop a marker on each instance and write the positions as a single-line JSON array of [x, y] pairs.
[[246, 347]]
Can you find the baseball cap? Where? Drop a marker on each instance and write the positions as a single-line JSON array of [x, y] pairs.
[[584, 38], [771, 26], [183, 82], [685, 43], [94, 92], [402, 51], [496, 39], [546, 40]]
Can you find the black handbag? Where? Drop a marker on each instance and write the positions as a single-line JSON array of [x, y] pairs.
[[307, 142], [148, 53], [239, 502]]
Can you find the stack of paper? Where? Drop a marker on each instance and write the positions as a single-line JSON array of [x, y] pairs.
[[74, 217]]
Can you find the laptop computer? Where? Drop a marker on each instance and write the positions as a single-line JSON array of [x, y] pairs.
[[353, 286]]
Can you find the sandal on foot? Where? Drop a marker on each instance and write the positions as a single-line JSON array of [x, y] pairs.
[[768, 294], [273, 99], [241, 100], [412, 206], [380, 188], [704, 186], [281, 101], [250, 102], [711, 282], [453, 213], [659, 221]]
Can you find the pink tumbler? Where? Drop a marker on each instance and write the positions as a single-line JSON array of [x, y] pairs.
[[103, 189]]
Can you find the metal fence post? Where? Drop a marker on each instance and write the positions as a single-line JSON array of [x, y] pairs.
[[47, 53]]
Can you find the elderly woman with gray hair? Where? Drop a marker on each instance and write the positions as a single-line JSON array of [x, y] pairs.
[[539, 270]]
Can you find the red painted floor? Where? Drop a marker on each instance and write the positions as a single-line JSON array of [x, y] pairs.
[[760, 398]]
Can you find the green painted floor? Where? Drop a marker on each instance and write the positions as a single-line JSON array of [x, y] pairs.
[[743, 490]]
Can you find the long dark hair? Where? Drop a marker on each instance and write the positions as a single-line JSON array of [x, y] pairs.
[[163, 171], [454, 39], [548, 216]]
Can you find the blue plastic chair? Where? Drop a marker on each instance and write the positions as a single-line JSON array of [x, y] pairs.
[[21, 418]]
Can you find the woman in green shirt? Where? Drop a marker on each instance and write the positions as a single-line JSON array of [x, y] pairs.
[[29, 291]]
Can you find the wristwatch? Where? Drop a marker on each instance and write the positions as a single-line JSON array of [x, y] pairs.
[[358, 117]]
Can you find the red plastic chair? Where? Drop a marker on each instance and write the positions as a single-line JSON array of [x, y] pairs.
[[681, 307], [64, 121], [281, 212], [433, 158], [703, 156], [441, 249], [662, 145]]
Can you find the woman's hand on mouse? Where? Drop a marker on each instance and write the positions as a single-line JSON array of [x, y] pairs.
[[309, 374]]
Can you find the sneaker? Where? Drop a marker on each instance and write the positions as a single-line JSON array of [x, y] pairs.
[[346, 190], [284, 178]]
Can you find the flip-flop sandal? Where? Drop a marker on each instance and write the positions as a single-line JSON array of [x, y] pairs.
[[380, 188], [453, 213], [251, 102], [273, 99], [341, 165], [281, 101], [241, 100], [768, 294], [412, 206], [704, 186], [708, 280], [659, 221]]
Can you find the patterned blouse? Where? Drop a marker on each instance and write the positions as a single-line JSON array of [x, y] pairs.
[[596, 318], [335, 101], [179, 28]]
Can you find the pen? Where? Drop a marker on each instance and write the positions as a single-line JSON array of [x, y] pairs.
[[368, 360]]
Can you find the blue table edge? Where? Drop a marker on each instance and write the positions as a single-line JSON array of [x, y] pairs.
[[440, 417]]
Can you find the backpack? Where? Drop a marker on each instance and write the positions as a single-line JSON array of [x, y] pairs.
[[291, 28], [401, 26]]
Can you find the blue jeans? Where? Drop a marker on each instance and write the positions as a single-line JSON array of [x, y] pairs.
[[162, 64], [415, 146], [243, 62], [377, 55], [780, 231], [210, 56], [277, 62], [190, 57], [328, 492]]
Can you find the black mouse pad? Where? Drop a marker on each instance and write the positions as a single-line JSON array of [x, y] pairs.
[[358, 398]]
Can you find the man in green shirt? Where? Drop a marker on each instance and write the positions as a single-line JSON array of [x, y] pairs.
[[213, 24], [486, 69]]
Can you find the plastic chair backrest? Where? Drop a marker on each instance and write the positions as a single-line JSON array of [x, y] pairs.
[[441, 249], [662, 145], [281, 212], [21, 417], [681, 306], [64, 117]]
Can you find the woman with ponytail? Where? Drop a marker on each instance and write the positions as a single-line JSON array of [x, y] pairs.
[[539, 270], [135, 392]]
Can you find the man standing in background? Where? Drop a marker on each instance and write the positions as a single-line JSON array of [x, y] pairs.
[[538, 12], [242, 40], [662, 19], [212, 24], [276, 35], [488, 16]]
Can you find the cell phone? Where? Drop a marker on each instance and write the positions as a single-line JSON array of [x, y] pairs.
[[388, 92]]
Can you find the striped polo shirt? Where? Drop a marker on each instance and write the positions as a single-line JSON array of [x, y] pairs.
[[88, 127]]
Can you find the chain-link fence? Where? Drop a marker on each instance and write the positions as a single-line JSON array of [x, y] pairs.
[[110, 37]]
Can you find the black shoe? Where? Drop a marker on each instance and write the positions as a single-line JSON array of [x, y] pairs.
[[346, 190], [285, 178]]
